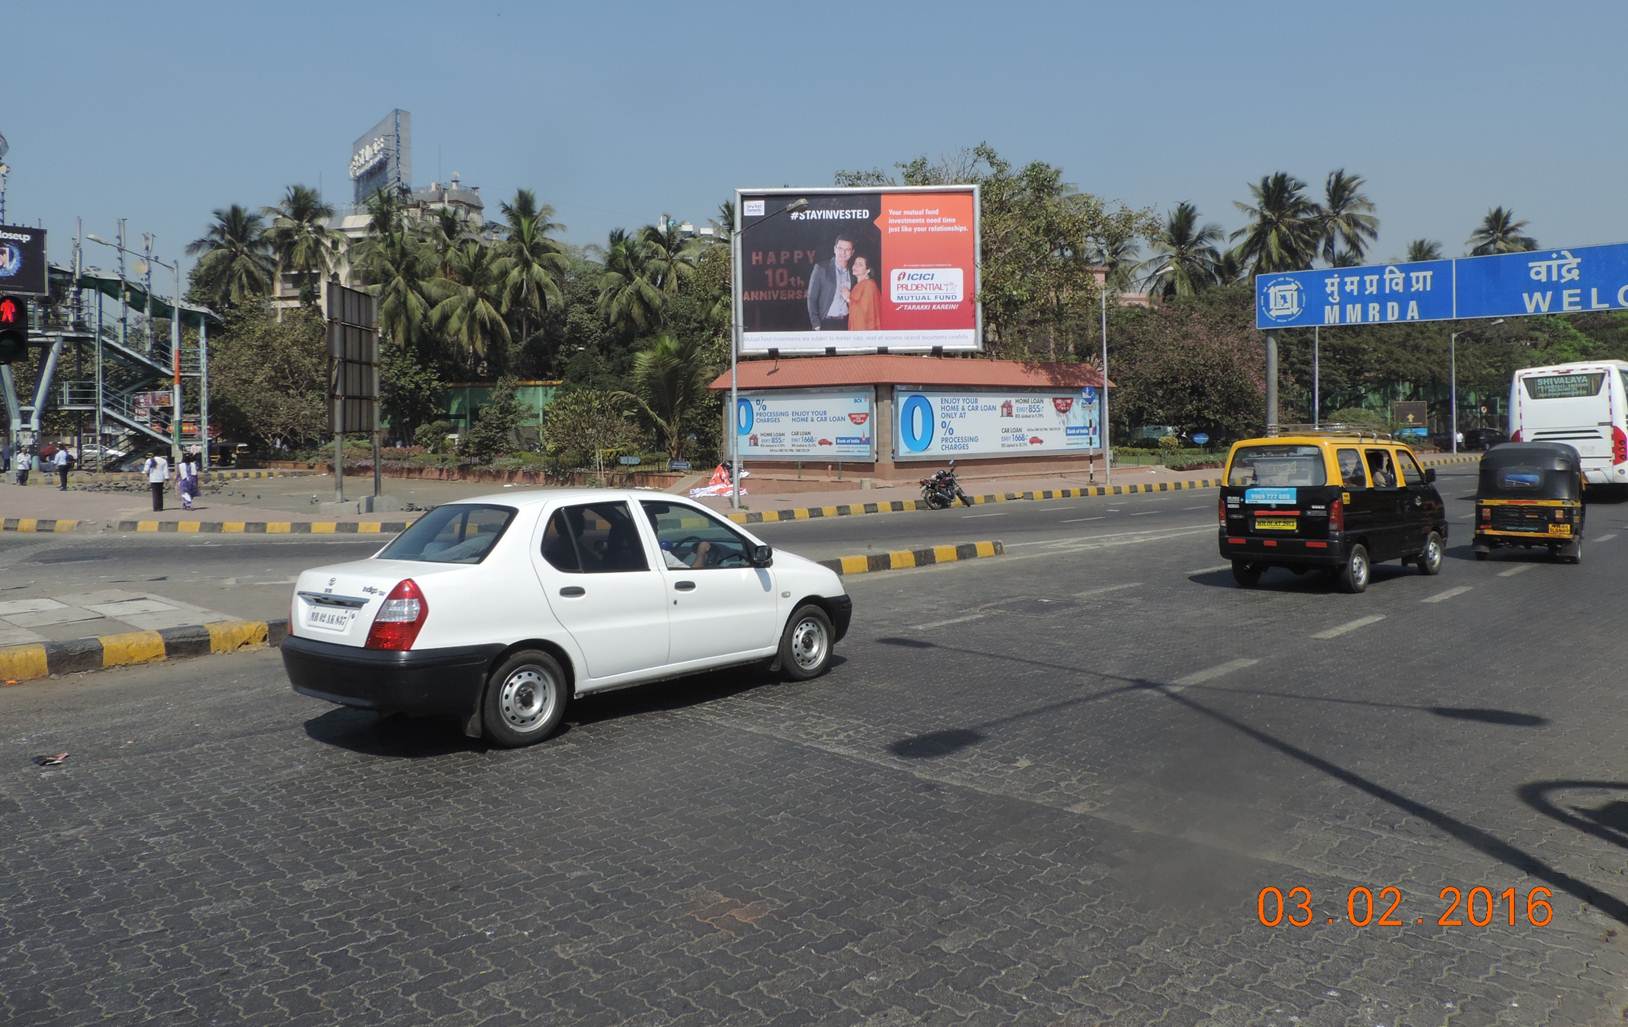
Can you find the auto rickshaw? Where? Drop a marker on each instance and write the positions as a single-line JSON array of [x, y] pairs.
[[1530, 494]]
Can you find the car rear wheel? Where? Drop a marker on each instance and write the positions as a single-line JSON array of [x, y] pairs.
[[525, 699], [1247, 574], [1430, 559], [805, 647], [1354, 575]]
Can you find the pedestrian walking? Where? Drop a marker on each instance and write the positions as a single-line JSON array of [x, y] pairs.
[[187, 479], [157, 468], [22, 461], [63, 461]]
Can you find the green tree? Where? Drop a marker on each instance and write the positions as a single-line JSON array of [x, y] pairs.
[[1424, 249], [409, 389], [400, 272], [446, 231], [1500, 232], [531, 262], [1284, 226], [300, 239], [630, 299], [587, 427], [467, 301], [669, 256], [494, 432], [234, 266], [1185, 255], [1193, 362], [1347, 219], [268, 378], [668, 384]]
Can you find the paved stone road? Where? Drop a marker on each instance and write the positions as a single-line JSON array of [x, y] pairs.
[[1043, 789]]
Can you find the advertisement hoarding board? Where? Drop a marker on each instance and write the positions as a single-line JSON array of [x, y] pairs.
[[22, 261], [806, 424], [353, 355], [858, 269], [937, 424], [382, 156]]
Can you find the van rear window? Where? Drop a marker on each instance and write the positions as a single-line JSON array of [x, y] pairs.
[[1278, 465]]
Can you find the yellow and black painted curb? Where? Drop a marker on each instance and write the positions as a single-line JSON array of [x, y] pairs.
[[905, 559], [48, 525], [906, 505], [264, 527], [1449, 459], [23, 663]]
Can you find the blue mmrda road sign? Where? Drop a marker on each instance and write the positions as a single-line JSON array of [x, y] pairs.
[[1544, 282]]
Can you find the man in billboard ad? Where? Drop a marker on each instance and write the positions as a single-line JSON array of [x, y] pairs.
[[859, 269], [22, 260]]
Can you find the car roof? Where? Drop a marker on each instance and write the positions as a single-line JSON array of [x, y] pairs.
[[531, 498], [1320, 440]]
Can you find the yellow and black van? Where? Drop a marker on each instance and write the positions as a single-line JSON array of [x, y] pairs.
[[1334, 499]]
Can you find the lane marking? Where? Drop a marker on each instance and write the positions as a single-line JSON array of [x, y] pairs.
[[1201, 506], [1143, 513], [1211, 673], [1209, 570], [973, 517], [946, 623], [1115, 509], [1522, 569], [1606, 538], [1080, 520], [1441, 597], [1092, 592], [1349, 626]]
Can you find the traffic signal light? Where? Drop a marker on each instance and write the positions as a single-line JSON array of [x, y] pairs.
[[13, 328]]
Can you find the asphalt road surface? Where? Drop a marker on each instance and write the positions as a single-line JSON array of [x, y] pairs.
[[1046, 788]]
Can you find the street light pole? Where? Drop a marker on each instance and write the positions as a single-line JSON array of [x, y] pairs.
[[1107, 451], [735, 346]]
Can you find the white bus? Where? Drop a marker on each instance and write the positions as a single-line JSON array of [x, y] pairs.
[[1584, 404]]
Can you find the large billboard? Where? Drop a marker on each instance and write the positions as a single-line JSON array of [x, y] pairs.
[[935, 424], [891, 268], [795, 424], [383, 156], [22, 260]]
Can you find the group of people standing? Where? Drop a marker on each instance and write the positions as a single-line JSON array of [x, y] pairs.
[[842, 294], [23, 460]]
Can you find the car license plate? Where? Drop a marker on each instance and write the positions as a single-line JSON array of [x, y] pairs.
[[329, 620], [1275, 524]]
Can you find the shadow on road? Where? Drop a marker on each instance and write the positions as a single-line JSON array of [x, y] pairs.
[[1608, 821], [394, 735]]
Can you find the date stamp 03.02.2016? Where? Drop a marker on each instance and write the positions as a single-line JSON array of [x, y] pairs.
[[1477, 906]]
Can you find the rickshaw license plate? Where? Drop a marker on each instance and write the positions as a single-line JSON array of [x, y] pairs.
[[1560, 529], [1275, 524]]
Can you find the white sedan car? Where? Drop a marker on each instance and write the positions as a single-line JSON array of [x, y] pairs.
[[501, 609]]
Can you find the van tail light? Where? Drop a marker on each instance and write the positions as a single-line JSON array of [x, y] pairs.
[[1516, 437], [1336, 516], [400, 618], [1619, 445], [1221, 510]]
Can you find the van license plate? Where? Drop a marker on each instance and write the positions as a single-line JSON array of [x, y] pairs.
[[1275, 524], [329, 620]]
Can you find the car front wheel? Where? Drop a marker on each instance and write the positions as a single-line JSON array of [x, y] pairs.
[[805, 647], [525, 699]]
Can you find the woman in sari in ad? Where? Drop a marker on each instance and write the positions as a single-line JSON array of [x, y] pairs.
[[864, 299]]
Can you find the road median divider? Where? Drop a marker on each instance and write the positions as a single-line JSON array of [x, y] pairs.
[[907, 559], [20, 664], [809, 513], [41, 525], [264, 527]]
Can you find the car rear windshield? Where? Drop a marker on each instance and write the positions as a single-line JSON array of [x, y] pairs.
[[1278, 465], [455, 533]]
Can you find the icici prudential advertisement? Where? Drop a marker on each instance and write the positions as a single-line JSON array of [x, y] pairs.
[[858, 269]]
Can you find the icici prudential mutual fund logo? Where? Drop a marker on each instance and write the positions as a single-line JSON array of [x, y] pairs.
[[927, 285]]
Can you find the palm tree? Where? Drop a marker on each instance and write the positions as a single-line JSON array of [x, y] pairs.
[[301, 240], [1499, 232], [235, 266], [726, 219], [467, 300], [1284, 226], [400, 269], [1117, 257], [1185, 255], [629, 299], [1424, 249], [670, 255], [446, 232], [668, 383], [1348, 219], [531, 264]]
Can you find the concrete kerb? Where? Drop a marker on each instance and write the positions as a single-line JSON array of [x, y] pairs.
[[58, 526], [20, 664], [907, 505], [907, 559]]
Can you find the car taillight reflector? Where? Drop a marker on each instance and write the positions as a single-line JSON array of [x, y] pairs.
[[1516, 437], [1619, 445], [400, 618], [1336, 516]]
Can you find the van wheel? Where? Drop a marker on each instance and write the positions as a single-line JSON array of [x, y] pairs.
[[1354, 575], [805, 647], [1430, 559], [1247, 574], [525, 699]]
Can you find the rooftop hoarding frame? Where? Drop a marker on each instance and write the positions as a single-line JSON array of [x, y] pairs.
[[921, 250], [382, 156]]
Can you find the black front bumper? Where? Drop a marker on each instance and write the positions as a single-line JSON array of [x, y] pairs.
[[428, 681], [842, 614]]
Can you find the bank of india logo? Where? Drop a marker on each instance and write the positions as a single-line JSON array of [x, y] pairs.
[[1284, 299], [11, 260]]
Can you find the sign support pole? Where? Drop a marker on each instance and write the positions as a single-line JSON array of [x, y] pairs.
[[1107, 450], [1316, 390], [1271, 383]]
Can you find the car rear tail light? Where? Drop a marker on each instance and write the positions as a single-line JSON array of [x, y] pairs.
[[400, 618], [1619, 445], [1336, 516], [1516, 437]]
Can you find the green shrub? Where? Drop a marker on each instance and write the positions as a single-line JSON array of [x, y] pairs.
[[1169, 444], [433, 436]]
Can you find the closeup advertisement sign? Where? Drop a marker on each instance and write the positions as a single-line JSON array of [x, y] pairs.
[[935, 424], [858, 269], [807, 425], [22, 260]]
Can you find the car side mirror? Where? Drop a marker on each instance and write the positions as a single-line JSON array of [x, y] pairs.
[[762, 556], [1430, 474]]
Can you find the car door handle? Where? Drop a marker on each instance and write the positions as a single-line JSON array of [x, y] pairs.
[[573, 591], [684, 586]]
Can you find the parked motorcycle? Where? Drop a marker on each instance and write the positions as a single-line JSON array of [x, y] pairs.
[[942, 490]]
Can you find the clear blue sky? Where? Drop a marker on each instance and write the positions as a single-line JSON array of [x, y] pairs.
[[617, 112]]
